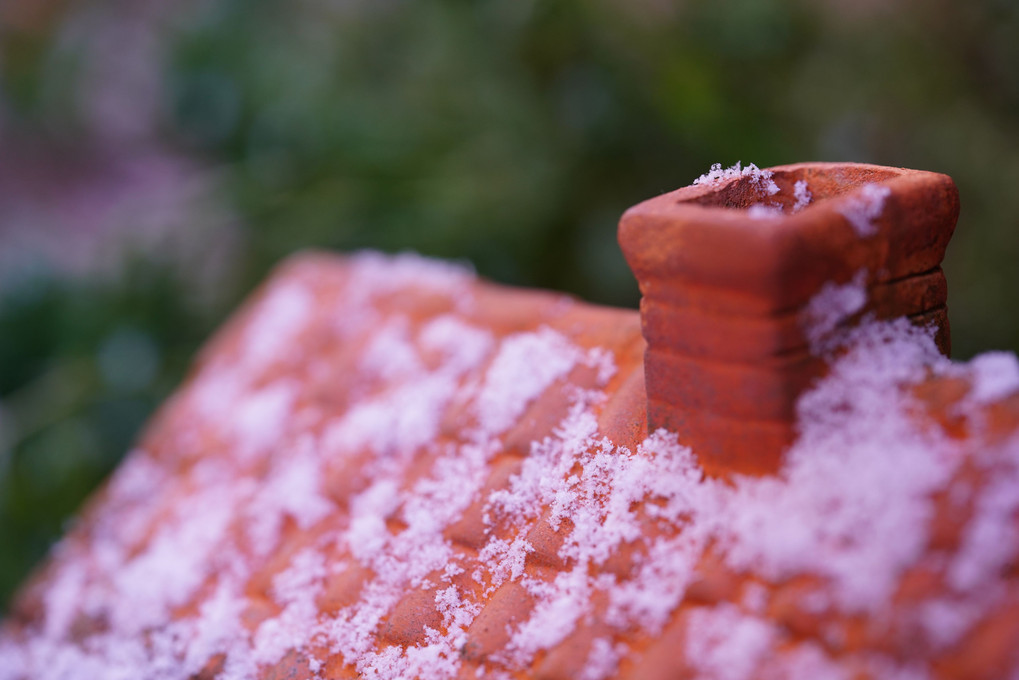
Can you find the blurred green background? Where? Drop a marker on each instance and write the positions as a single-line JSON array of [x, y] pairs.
[[157, 158]]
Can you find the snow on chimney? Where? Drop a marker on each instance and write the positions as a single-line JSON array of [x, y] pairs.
[[745, 275]]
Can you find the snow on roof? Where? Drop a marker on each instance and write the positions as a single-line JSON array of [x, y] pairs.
[[387, 467]]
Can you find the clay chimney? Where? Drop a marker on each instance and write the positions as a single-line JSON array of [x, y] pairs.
[[728, 267]]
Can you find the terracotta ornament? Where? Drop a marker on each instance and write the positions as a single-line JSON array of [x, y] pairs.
[[384, 467]]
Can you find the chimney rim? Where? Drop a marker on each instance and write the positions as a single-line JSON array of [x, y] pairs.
[[699, 202]]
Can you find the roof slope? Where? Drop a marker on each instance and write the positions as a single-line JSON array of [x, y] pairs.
[[383, 467]]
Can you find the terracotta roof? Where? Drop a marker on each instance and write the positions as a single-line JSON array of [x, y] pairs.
[[385, 467]]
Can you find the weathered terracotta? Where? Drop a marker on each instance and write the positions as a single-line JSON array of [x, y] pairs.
[[725, 293]]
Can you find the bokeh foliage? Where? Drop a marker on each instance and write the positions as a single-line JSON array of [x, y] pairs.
[[511, 133]]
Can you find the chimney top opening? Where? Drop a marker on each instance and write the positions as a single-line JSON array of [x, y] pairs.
[[767, 194]]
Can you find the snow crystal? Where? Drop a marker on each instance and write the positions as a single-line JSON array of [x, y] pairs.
[[725, 644], [946, 621], [762, 178], [830, 306], [755, 597], [369, 509], [762, 211], [14, 666], [456, 612], [560, 604], [807, 661], [829, 511], [991, 538], [995, 375], [863, 206], [277, 321], [505, 559], [649, 598], [602, 660], [261, 418], [801, 192], [403, 419], [461, 346], [435, 660], [390, 355], [292, 489], [217, 627], [375, 274], [137, 478], [177, 558], [527, 363], [295, 589], [62, 600]]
